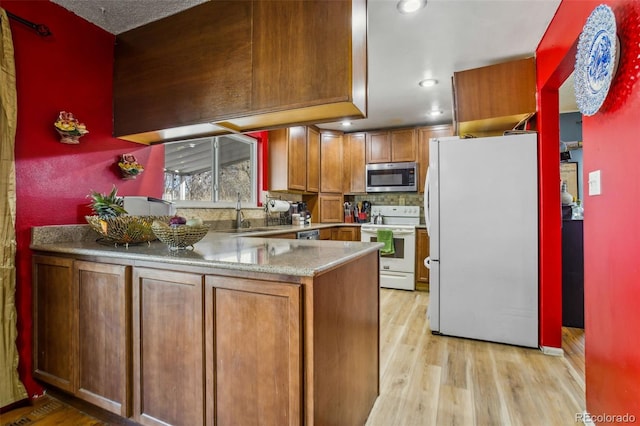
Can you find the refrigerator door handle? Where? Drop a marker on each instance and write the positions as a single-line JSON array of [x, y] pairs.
[[427, 203]]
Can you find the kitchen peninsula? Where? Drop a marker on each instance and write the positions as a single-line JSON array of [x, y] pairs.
[[238, 330]]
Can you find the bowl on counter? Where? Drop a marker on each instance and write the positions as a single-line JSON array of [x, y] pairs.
[[179, 237], [125, 229]]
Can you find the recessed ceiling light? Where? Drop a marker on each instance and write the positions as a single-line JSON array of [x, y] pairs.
[[429, 82], [410, 6], [435, 112], [346, 123]]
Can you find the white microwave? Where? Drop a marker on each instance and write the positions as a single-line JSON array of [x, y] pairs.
[[392, 177]]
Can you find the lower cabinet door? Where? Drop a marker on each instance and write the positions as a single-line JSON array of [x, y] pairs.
[[168, 348], [422, 251], [103, 364], [345, 233], [254, 361], [53, 325]]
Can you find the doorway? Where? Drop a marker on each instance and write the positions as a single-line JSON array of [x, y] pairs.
[[573, 336]]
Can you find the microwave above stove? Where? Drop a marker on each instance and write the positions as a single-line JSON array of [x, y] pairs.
[[392, 177]]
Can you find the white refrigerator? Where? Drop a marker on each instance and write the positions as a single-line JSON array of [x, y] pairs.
[[481, 210]]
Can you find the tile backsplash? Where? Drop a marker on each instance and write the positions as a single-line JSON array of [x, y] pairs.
[[392, 199], [221, 218]]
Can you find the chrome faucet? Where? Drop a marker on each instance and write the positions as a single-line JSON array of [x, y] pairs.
[[239, 215]]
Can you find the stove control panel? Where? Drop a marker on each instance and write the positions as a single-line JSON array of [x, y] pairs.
[[396, 215], [399, 211]]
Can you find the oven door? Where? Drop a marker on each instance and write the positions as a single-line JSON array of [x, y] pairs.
[[404, 243]]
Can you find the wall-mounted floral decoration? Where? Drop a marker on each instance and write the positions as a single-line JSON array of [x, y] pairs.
[[69, 128], [129, 166]]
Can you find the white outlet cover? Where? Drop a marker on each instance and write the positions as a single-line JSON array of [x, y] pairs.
[[594, 183]]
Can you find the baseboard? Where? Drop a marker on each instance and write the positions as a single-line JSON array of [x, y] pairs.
[[421, 286], [15, 405], [549, 350]]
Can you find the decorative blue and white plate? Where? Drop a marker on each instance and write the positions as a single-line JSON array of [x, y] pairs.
[[595, 60]]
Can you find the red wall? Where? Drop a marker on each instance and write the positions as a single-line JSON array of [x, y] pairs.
[[71, 71], [611, 224]]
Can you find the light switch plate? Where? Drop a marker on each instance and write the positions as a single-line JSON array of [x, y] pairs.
[[594, 183]]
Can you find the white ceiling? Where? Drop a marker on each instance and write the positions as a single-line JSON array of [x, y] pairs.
[[443, 37]]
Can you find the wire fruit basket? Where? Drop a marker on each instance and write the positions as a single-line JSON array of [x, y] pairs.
[[125, 229], [179, 237]]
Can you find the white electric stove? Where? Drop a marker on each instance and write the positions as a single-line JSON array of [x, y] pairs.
[[396, 270]]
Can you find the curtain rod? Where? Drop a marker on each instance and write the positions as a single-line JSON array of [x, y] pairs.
[[41, 29]]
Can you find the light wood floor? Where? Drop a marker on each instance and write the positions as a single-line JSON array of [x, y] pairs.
[[434, 380]]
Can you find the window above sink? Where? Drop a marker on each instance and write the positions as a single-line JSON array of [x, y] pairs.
[[211, 171]]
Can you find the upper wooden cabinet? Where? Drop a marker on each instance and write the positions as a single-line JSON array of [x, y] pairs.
[[393, 146], [354, 163], [294, 159], [331, 162], [240, 65], [424, 134], [313, 160], [403, 145], [378, 147], [492, 99]]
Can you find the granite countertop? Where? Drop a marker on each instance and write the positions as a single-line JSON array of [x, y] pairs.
[[216, 249]]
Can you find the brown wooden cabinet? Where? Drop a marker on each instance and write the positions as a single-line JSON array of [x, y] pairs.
[[422, 251], [53, 322], [378, 147], [492, 99], [168, 347], [81, 330], [424, 134], [325, 233], [355, 151], [285, 235], [346, 233], [243, 65], [391, 146], [403, 145], [331, 162], [313, 160], [330, 208], [102, 314], [191, 67], [261, 382], [294, 159], [235, 348]]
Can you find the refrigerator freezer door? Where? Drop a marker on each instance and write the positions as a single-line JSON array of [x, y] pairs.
[[488, 239]]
